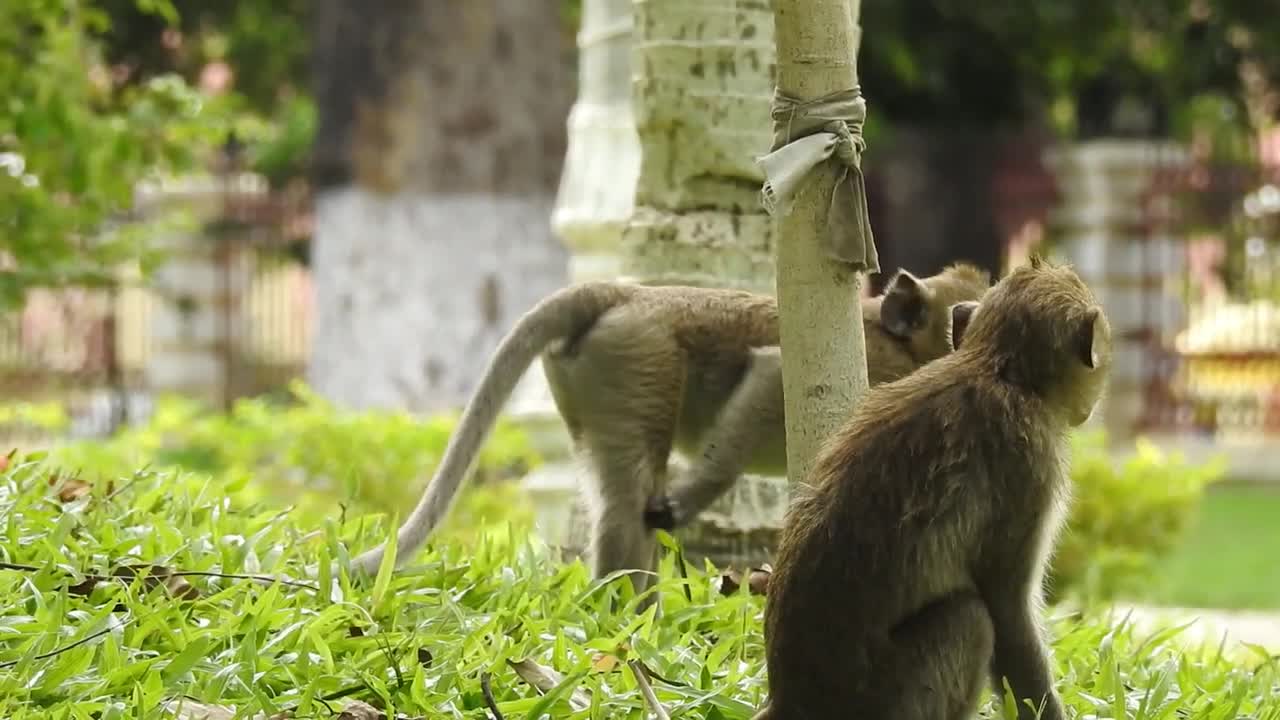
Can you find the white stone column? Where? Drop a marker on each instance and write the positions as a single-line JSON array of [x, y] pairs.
[[1099, 226], [595, 200]]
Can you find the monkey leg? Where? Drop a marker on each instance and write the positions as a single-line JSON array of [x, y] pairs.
[[941, 656], [751, 415], [619, 538], [1020, 657]]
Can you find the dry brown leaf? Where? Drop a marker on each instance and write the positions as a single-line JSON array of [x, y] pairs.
[[73, 488], [544, 679], [604, 662], [184, 709], [357, 710], [157, 575], [757, 580]]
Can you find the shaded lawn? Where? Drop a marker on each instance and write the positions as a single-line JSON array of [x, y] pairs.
[[1230, 557]]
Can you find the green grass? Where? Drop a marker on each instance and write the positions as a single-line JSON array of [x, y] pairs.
[[1231, 556], [420, 642]]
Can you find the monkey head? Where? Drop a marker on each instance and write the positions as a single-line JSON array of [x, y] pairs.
[[1047, 333], [919, 312]]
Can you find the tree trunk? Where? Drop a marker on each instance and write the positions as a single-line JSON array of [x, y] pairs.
[[701, 84], [701, 88], [824, 366], [440, 143]]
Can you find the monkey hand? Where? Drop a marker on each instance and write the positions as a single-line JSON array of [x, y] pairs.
[[660, 514]]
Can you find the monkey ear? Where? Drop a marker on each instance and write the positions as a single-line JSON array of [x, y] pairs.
[[903, 307], [961, 314], [1089, 339]]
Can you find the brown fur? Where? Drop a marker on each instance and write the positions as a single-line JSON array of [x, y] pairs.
[[734, 419], [637, 370], [909, 572], [680, 373]]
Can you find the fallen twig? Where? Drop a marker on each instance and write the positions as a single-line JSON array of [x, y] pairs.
[[71, 646], [123, 573], [545, 679], [487, 689], [642, 679]]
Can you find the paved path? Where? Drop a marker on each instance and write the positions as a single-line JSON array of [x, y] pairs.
[[1240, 626]]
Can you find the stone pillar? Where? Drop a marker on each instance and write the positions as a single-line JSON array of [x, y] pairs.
[[660, 186], [702, 90], [195, 289], [1100, 228], [595, 200]]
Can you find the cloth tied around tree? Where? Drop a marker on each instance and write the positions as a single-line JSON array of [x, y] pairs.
[[807, 133]]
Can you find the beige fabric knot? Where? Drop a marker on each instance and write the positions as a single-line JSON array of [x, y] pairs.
[[806, 133]]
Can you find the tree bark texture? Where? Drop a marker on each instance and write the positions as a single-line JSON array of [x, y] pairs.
[[436, 161], [824, 364], [701, 87], [702, 81]]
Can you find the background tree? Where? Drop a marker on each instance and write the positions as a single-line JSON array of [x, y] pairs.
[[75, 138], [439, 146]]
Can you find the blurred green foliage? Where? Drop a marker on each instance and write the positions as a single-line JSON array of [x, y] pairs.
[[1124, 516], [1071, 66], [74, 143], [265, 45], [305, 452], [99, 94], [1074, 65]]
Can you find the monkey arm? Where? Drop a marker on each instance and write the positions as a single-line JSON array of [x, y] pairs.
[[752, 412], [1020, 654]]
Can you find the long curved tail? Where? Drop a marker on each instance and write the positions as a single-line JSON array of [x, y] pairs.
[[564, 313]]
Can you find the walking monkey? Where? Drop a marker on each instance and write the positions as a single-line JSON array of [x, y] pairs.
[[638, 370]]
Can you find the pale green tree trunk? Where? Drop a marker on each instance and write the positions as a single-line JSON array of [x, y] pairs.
[[824, 364]]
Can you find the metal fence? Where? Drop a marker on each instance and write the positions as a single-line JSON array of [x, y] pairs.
[[1216, 372], [1207, 238], [89, 349]]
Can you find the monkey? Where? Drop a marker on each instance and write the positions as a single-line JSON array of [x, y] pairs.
[[636, 369], [903, 329], [909, 570]]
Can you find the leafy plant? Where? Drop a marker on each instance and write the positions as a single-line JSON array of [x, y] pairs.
[[1124, 517], [305, 451], [74, 144], [125, 601]]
